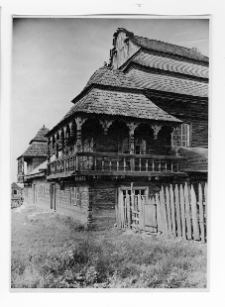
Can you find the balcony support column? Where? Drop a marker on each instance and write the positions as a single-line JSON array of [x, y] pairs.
[[79, 122], [174, 147], [132, 126], [56, 146], [66, 140], [62, 141], [72, 136]]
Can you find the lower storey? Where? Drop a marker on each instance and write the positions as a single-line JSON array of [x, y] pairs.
[[90, 202]]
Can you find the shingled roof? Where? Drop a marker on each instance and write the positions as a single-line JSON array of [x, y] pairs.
[[167, 83], [156, 45], [169, 65], [38, 145], [108, 77], [112, 102], [35, 150], [14, 185], [40, 136]]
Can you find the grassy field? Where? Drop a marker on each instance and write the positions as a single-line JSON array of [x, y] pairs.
[[52, 252]]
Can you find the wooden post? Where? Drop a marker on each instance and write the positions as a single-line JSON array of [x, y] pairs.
[[206, 206], [168, 211], [194, 214], [141, 213], [173, 210], [177, 211], [162, 212], [128, 211], [183, 224], [201, 213], [187, 211], [119, 209]]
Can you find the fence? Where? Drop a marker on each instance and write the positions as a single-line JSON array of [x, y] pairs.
[[182, 211], [178, 210]]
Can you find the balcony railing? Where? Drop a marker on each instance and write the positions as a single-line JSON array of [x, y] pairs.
[[88, 163]]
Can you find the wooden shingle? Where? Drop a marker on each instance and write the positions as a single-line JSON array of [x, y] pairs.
[[170, 65]]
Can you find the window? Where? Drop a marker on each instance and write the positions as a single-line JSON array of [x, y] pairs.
[[181, 136]]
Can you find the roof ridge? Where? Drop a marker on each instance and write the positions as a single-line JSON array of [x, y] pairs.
[[40, 135], [190, 53], [171, 44]]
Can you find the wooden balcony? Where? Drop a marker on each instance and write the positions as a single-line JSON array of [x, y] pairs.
[[114, 164]]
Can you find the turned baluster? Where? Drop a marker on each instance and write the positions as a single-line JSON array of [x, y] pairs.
[[171, 166], [159, 165], [124, 164], [153, 165], [165, 166], [110, 165], [140, 164], [146, 165], [117, 164], [178, 166], [95, 163], [103, 164]]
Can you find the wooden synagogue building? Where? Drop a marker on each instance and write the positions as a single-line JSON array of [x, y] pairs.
[[140, 122]]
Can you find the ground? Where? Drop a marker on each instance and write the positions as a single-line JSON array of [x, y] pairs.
[[50, 251]]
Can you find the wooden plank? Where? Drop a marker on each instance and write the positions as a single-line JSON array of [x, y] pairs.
[[177, 211], [168, 211], [173, 211], [128, 212], [183, 224], [124, 212], [159, 218], [162, 211], [150, 214], [121, 209], [141, 215], [194, 214], [206, 206], [201, 213], [187, 212]]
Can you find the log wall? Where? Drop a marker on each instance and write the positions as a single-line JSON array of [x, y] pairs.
[[102, 204]]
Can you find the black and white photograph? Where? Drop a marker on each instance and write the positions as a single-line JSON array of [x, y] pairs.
[[109, 152]]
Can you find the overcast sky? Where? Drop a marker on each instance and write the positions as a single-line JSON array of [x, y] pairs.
[[54, 58]]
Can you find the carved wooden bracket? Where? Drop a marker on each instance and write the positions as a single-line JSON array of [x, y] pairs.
[[132, 126], [106, 124], [156, 129], [79, 122]]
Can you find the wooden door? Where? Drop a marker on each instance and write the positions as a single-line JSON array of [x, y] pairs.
[[150, 215], [130, 207]]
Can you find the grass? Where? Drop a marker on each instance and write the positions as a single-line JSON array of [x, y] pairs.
[[53, 252]]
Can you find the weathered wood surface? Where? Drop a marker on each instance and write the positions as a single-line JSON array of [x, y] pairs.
[[173, 211]]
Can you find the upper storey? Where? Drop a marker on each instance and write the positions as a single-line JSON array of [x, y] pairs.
[[161, 56]]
